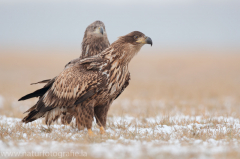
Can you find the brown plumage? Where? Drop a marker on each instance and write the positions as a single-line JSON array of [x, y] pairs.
[[88, 88], [94, 41]]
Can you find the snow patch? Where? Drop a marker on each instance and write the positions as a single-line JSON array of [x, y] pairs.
[[1, 101], [140, 144]]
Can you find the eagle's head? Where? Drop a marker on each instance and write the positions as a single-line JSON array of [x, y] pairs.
[[136, 38], [96, 29], [95, 39], [124, 49]]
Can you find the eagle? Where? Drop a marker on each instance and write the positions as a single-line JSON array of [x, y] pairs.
[[95, 40], [88, 88]]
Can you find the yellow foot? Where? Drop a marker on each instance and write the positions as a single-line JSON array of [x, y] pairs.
[[102, 131], [90, 133]]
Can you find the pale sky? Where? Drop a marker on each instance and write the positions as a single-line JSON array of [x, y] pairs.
[[123, 2], [170, 23]]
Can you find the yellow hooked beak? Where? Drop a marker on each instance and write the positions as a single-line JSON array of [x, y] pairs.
[[145, 40]]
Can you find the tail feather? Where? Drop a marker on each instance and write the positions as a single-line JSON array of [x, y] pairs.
[[33, 115], [37, 93], [37, 111], [30, 109], [43, 81]]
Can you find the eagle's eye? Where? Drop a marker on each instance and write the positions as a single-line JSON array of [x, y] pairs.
[[135, 37]]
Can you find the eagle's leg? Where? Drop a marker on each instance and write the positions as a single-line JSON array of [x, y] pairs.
[[85, 117], [100, 113], [66, 119], [102, 130], [91, 133]]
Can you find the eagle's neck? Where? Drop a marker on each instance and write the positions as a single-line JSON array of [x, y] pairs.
[[121, 54], [116, 69], [93, 45]]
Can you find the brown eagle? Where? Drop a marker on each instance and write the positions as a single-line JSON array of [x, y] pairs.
[[94, 41], [88, 88]]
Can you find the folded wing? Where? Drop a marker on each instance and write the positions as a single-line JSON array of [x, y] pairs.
[[73, 86]]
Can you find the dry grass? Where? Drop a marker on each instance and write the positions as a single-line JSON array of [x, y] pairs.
[[194, 95]]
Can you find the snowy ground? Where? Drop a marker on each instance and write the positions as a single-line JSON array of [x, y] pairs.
[[176, 136], [179, 104]]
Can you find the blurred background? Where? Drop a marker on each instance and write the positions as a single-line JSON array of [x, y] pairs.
[[194, 62], [171, 23]]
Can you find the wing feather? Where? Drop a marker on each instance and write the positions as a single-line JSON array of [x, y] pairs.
[[73, 86]]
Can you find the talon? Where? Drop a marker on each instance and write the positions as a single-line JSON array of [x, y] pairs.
[[90, 133], [102, 131]]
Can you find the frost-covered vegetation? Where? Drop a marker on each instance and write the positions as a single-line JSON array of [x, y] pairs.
[[177, 106]]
